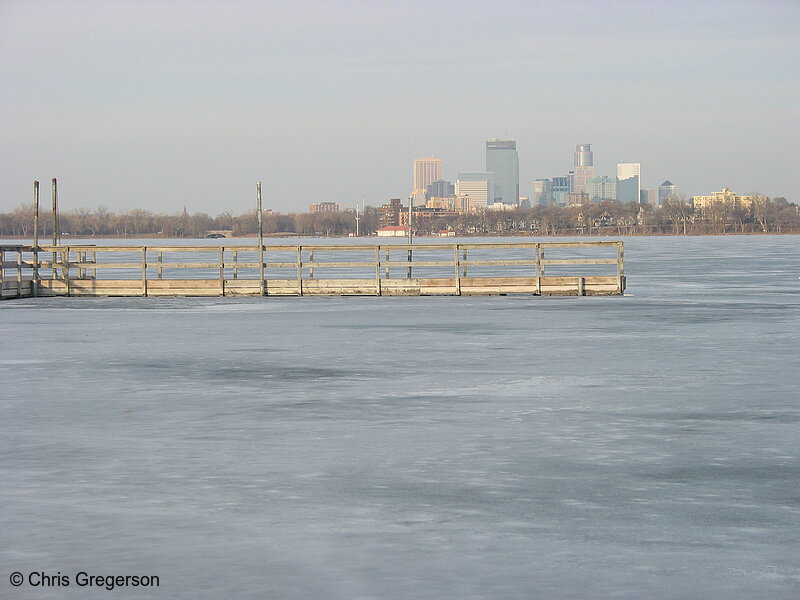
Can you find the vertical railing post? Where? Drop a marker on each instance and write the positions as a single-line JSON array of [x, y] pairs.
[[543, 267], [311, 267], [65, 261], [222, 270], [94, 262], [388, 268], [457, 266], [159, 267], [299, 262], [538, 271], [378, 270], [19, 271], [144, 271], [621, 267], [263, 290], [2, 271], [236, 264], [464, 263]]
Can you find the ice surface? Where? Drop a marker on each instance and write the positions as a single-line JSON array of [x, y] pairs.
[[505, 447]]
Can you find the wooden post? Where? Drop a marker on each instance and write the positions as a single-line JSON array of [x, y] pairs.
[[236, 264], [55, 212], [538, 271], [35, 283], [458, 269], [300, 270], [311, 268], [2, 271], [465, 262], [541, 258], [262, 284], [581, 286], [410, 231], [144, 271], [388, 268], [160, 268], [65, 261], [222, 270], [621, 266], [19, 271], [54, 196], [35, 213], [94, 262], [378, 270]]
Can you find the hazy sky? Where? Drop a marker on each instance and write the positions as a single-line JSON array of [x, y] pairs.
[[163, 104]]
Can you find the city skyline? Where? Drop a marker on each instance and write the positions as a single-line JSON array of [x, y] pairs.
[[161, 106]]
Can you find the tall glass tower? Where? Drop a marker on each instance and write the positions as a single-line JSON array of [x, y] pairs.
[[584, 168], [502, 160]]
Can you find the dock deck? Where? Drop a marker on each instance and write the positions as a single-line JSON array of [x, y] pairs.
[[585, 268]]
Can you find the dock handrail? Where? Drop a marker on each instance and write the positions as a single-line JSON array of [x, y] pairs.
[[66, 268]]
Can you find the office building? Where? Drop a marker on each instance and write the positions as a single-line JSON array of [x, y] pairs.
[[665, 191], [440, 189], [560, 190], [583, 169], [628, 182], [478, 186], [648, 196], [426, 171], [503, 161], [542, 192], [600, 188]]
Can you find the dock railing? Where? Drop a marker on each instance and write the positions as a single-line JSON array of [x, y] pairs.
[[540, 268]]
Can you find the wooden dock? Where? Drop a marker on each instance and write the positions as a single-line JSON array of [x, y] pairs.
[[586, 268]]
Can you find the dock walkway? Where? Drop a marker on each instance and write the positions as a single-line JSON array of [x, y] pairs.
[[585, 268]]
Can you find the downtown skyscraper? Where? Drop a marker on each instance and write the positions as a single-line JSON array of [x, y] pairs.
[[628, 182], [583, 169], [426, 171], [502, 160]]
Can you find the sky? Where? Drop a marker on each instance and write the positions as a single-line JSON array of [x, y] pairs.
[[166, 104]]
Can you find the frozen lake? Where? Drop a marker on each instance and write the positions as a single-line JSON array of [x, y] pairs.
[[643, 446]]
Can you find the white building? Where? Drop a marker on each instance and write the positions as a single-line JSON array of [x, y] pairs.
[[393, 231], [478, 186]]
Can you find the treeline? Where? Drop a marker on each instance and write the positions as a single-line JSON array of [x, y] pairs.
[[132, 223], [676, 217]]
